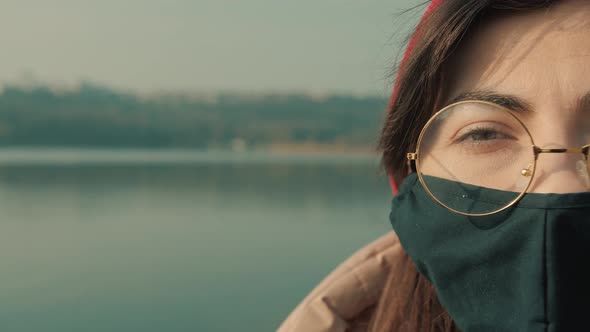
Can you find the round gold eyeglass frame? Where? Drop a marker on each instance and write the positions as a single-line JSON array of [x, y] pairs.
[[414, 158]]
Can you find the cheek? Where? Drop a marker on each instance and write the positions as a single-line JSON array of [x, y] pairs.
[[504, 173]]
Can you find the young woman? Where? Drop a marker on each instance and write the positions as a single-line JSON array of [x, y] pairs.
[[488, 134]]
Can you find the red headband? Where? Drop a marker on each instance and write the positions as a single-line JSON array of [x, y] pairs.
[[433, 5]]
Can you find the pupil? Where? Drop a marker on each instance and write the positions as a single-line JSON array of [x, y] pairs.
[[483, 135]]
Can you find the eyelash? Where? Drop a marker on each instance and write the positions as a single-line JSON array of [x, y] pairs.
[[487, 131]]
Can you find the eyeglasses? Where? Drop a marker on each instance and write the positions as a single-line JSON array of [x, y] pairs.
[[477, 158]]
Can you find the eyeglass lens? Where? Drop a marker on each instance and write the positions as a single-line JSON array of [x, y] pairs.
[[472, 145]]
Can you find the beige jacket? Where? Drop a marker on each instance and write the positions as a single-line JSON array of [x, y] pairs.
[[344, 300]]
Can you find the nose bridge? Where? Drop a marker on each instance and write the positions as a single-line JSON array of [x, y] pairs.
[[561, 170]]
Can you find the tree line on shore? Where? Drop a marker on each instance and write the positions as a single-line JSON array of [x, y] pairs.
[[93, 115]]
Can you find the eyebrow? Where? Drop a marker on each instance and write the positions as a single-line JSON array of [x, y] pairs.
[[511, 102]]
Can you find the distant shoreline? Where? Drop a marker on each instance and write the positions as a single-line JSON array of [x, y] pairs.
[[320, 148], [63, 156]]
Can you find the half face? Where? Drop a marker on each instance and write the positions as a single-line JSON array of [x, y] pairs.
[[537, 65]]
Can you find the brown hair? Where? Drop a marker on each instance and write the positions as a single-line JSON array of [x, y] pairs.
[[408, 301]]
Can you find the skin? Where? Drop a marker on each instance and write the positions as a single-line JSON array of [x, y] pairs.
[[542, 60]]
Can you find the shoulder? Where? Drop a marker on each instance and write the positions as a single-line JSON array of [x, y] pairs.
[[348, 291]]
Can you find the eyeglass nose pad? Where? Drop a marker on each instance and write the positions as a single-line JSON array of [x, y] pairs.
[[582, 171], [528, 171], [523, 180]]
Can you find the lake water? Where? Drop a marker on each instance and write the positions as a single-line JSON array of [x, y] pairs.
[[175, 241]]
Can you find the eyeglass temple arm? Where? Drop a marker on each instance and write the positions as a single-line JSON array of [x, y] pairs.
[[411, 157], [584, 150]]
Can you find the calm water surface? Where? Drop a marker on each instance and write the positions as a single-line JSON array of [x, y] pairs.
[[145, 243]]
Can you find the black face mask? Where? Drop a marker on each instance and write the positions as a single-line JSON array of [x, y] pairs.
[[523, 269]]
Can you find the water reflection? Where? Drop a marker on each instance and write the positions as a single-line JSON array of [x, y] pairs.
[[208, 247]]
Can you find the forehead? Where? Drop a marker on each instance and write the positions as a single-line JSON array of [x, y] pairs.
[[537, 55]]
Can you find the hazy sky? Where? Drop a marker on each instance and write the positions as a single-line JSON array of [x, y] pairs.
[[340, 46]]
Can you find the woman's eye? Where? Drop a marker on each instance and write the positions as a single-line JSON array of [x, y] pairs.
[[481, 135]]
